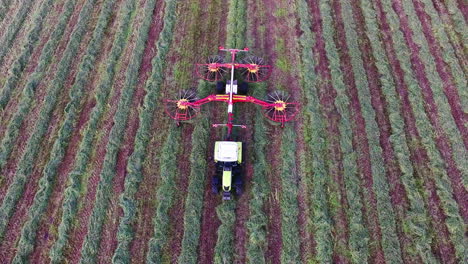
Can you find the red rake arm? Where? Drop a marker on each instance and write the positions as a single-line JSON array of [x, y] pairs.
[[225, 98]]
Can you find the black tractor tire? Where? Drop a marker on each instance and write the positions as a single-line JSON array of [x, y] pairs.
[[238, 183], [220, 88], [243, 88], [215, 185], [239, 190]]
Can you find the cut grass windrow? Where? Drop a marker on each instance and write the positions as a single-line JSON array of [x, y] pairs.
[[314, 136], [453, 221], [29, 91], [71, 192], [434, 28], [26, 163], [4, 6], [21, 62], [458, 21], [288, 200], [449, 140], [416, 218], [194, 200], [96, 221], [257, 223], [358, 238], [443, 247], [164, 196], [223, 252], [125, 232], [390, 242], [454, 37], [14, 27], [41, 199], [331, 71]]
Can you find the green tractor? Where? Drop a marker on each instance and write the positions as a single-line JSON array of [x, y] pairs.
[[228, 158]]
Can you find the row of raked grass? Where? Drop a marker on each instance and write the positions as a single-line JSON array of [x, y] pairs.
[[14, 27], [445, 118], [46, 183], [26, 163], [417, 218], [22, 59], [448, 52], [72, 192], [454, 221], [92, 240], [134, 167], [390, 241], [4, 7], [198, 164], [27, 97], [315, 139], [196, 186]]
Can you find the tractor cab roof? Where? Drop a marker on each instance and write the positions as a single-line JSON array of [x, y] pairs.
[[226, 151]]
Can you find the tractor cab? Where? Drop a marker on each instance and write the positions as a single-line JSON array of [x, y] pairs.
[[228, 158]]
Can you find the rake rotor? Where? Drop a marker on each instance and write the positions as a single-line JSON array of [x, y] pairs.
[[213, 69], [182, 108], [255, 69], [280, 108]]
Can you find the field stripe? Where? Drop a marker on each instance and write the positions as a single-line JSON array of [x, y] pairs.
[[334, 102], [436, 106], [70, 199], [109, 235], [164, 196], [443, 55], [417, 215], [194, 200], [4, 7], [41, 199], [440, 178], [134, 175], [96, 221], [455, 40], [195, 170], [14, 27], [28, 94], [390, 242], [433, 28], [322, 195], [257, 221], [459, 20], [25, 165], [418, 154], [20, 63]]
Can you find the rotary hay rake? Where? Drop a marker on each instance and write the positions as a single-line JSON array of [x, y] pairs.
[[276, 107]]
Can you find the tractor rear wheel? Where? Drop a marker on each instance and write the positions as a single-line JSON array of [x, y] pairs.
[[215, 184], [238, 182], [220, 88], [243, 88]]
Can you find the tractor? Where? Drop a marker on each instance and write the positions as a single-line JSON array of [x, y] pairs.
[[228, 153]]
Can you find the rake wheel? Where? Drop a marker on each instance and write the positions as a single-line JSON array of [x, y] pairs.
[[281, 109], [180, 108], [256, 70], [211, 70]]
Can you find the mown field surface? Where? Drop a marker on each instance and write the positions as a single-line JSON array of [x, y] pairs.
[[373, 170]]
